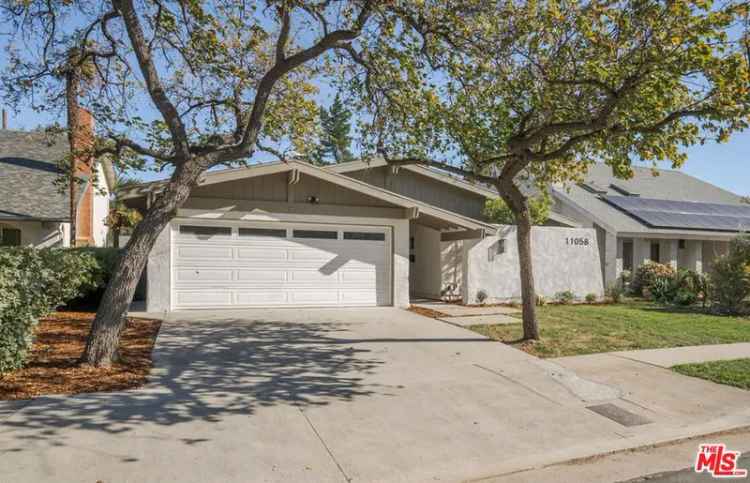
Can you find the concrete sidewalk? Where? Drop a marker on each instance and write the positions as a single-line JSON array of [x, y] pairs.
[[352, 395], [688, 355]]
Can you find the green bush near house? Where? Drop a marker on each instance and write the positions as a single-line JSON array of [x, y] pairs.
[[33, 282], [647, 275], [566, 297], [665, 285], [105, 260], [731, 277], [614, 293], [591, 298]]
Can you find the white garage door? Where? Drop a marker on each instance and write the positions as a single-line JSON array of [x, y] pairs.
[[251, 265]]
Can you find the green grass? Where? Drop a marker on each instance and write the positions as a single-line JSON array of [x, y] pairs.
[[586, 329], [733, 373]]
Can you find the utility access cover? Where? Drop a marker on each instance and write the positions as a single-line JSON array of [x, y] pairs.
[[618, 414]]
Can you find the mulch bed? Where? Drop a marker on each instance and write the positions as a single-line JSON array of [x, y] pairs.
[[53, 367], [434, 314]]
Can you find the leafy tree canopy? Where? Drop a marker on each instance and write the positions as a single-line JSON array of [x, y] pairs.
[[544, 88], [498, 211]]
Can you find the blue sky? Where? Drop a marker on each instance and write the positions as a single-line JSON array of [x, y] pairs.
[[725, 165]]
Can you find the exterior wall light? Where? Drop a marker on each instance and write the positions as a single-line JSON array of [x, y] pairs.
[[497, 248]]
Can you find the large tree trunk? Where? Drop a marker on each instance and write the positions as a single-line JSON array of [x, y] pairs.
[[519, 205], [101, 346], [115, 238]]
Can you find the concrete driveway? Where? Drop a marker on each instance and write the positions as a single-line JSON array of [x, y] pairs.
[[339, 395]]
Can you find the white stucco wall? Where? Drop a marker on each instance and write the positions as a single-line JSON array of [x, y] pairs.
[[425, 273], [560, 263], [452, 264], [48, 234], [100, 209], [158, 295]]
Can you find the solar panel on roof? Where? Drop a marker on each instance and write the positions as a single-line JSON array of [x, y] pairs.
[[624, 190], [594, 187], [683, 214]]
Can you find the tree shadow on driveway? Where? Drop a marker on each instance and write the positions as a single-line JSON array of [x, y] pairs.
[[207, 371]]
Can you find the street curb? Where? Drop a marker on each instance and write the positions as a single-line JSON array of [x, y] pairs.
[[579, 455]]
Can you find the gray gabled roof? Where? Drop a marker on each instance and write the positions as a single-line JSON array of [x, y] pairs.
[[28, 170], [454, 220], [443, 177], [665, 185]]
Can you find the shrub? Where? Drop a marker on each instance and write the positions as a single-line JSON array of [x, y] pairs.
[[730, 280], [104, 264], [566, 297], [481, 296], [591, 298], [626, 277], [646, 275], [662, 289], [684, 287], [614, 293], [32, 284]]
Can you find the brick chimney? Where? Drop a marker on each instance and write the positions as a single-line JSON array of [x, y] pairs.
[[82, 142]]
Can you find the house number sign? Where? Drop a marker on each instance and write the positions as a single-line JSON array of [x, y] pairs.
[[577, 241]]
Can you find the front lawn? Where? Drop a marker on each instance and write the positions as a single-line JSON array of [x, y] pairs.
[[733, 373], [53, 367], [586, 329]]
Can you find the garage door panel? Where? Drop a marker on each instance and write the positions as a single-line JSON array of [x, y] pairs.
[[310, 254], [202, 252], [261, 253], [260, 297], [314, 297], [358, 297], [203, 298], [203, 275], [312, 276], [245, 271], [361, 276], [261, 276]]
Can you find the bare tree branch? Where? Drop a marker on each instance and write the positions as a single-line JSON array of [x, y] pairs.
[[153, 81]]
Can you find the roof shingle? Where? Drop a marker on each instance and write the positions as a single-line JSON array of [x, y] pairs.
[[28, 170]]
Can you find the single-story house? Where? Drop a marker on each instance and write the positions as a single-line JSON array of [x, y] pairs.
[[365, 234], [354, 234], [34, 207], [662, 215]]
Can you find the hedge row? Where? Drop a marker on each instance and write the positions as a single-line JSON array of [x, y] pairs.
[[34, 282], [727, 287]]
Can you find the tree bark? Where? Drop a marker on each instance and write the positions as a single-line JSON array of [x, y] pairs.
[[103, 340], [518, 203], [115, 238]]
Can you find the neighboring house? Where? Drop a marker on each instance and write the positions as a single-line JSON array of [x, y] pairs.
[[355, 234], [34, 210], [670, 218]]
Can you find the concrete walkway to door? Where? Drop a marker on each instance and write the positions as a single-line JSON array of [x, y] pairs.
[[347, 395]]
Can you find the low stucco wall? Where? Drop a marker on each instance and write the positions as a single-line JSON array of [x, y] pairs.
[[563, 259]]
